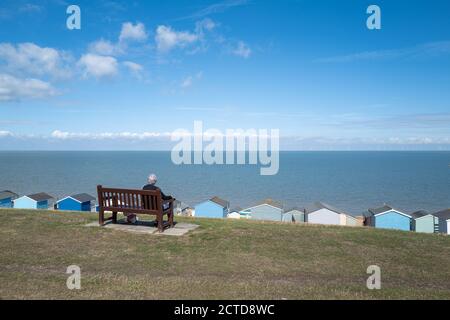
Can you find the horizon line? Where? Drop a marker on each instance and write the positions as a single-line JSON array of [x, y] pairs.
[[312, 150]]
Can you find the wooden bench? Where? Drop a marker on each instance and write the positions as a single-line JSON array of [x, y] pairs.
[[133, 201]]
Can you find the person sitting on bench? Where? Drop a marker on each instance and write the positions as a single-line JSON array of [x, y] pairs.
[[151, 181]]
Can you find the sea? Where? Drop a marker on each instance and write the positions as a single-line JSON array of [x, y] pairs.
[[349, 180]]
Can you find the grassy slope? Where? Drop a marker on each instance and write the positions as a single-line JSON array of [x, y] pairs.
[[221, 259]]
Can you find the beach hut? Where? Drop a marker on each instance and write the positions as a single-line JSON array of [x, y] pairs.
[[187, 210], [267, 209], [387, 217], [77, 202], [287, 217], [177, 207], [6, 198], [425, 222], [34, 201], [444, 221], [182, 208], [322, 213], [360, 220], [298, 215], [234, 213], [212, 208]]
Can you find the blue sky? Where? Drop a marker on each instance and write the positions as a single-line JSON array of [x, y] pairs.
[[137, 70]]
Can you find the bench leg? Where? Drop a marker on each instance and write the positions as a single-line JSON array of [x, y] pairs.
[[101, 217], [114, 217], [160, 220], [171, 218]]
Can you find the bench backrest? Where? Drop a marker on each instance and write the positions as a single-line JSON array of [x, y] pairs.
[[128, 200]]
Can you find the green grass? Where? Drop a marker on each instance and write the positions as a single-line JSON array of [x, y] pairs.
[[219, 260]]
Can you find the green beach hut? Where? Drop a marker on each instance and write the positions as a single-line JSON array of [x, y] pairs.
[[425, 222], [267, 209]]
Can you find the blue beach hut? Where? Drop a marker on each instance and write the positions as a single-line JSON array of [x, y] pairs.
[[6, 198], [212, 208], [33, 201], [387, 217], [78, 202]]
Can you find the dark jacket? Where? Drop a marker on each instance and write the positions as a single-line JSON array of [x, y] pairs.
[[153, 187]]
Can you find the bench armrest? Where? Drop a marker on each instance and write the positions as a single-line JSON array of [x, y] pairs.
[[170, 202]]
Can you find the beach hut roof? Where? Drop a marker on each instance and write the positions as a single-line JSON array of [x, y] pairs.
[[268, 202], [5, 194], [382, 209], [443, 214], [385, 208], [272, 203], [40, 196], [321, 205], [83, 197], [419, 214], [236, 209], [294, 209], [220, 202]]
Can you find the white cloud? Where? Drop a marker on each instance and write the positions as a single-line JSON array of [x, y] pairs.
[[133, 32], [318, 142], [30, 58], [63, 135], [431, 49], [143, 140], [189, 80], [205, 25], [129, 32], [105, 47], [216, 8], [98, 66], [5, 134], [135, 68], [166, 38], [242, 50], [12, 88]]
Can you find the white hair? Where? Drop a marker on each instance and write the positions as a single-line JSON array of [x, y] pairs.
[[152, 178]]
